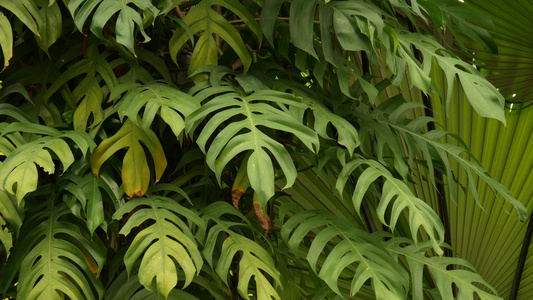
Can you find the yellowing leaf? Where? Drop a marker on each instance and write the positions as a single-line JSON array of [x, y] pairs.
[[135, 170], [6, 40]]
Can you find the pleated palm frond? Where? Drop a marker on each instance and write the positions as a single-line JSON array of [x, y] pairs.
[[491, 237], [512, 66]]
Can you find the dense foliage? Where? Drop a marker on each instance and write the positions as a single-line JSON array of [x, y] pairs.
[[236, 149]]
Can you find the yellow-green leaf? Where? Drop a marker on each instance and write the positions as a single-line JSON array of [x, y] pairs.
[[135, 170], [6, 40]]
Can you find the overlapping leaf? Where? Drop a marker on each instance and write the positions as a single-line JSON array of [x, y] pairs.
[[346, 134], [385, 125], [276, 130], [163, 245], [6, 40], [135, 169], [87, 192], [52, 26], [339, 245], [45, 23], [253, 260], [125, 22], [397, 195], [469, 284], [6, 238], [354, 23], [88, 90], [56, 257], [255, 112], [19, 174], [206, 20], [169, 102], [464, 21], [127, 286], [323, 118], [450, 16], [26, 11], [9, 141], [482, 95], [10, 220]]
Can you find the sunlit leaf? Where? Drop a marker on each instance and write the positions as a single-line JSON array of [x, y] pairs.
[[19, 174], [135, 169], [6, 39], [161, 245]]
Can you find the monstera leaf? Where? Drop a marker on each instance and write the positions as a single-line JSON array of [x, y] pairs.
[[26, 11], [345, 247], [256, 112], [45, 23], [164, 244], [204, 19], [6, 238], [90, 92], [19, 174], [253, 260], [156, 98], [95, 64], [482, 95], [10, 220], [88, 95], [391, 119], [127, 286], [353, 23], [464, 278], [56, 256], [420, 213], [87, 191], [126, 20], [135, 170], [6, 40]]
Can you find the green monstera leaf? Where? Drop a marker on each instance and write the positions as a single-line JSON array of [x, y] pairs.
[[126, 19], [260, 109], [56, 256], [165, 244], [206, 20]]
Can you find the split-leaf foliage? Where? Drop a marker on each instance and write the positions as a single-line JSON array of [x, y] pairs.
[[126, 127]]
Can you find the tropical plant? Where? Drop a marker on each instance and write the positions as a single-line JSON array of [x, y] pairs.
[[265, 149]]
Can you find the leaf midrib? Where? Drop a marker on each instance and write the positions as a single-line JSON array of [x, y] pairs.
[[430, 263], [355, 248]]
